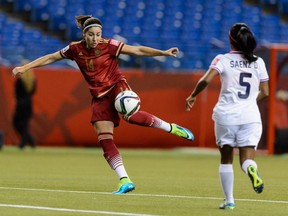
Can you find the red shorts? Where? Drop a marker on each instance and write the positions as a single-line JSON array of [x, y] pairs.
[[103, 108]]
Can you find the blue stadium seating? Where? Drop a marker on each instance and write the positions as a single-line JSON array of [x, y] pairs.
[[18, 42], [198, 27]]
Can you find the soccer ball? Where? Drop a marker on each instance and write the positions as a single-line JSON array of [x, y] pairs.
[[127, 102]]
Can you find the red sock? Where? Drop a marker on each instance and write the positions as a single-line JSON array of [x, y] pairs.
[[110, 150], [144, 119]]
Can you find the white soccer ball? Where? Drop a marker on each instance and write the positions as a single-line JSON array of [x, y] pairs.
[[127, 102]]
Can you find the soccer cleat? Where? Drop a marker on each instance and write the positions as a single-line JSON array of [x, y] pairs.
[[181, 132], [229, 206], [257, 182], [125, 186]]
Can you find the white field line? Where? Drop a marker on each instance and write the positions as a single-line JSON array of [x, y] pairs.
[[143, 195], [71, 210]]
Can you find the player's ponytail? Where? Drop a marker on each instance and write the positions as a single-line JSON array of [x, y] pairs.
[[80, 20], [243, 40], [86, 21]]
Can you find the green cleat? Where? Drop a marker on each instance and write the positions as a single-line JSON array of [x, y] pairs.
[[125, 186], [228, 206], [257, 182], [181, 132]]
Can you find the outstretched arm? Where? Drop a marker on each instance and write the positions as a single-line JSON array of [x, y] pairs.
[[148, 51], [44, 60], [200, 86]]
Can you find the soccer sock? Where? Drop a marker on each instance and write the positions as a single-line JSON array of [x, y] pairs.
[[146, 119], [248, 163], [120, 169], [227, 181], [112, 154]]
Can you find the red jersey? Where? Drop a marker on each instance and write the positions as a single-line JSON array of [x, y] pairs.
[[99, 65]]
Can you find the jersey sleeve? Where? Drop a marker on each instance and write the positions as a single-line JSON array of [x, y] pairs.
[[67, 52], [217, 64], [264, 77], [115, 47]]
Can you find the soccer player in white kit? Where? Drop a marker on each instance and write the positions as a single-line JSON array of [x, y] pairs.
[[237, 120]]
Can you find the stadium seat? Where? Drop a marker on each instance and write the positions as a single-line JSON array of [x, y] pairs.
[[156, 23], [57, 11], [269, 6], [22, 6]]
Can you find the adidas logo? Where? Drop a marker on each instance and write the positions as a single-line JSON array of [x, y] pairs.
[[79, 54]]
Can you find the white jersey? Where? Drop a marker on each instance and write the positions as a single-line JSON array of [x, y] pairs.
[[239, 89]]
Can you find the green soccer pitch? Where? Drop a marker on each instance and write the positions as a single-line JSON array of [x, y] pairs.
[[179, 182]]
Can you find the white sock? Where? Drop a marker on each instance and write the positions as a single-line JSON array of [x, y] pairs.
[[121, 172], [248, 163], [166, 126], [227, 181], [162, 124]]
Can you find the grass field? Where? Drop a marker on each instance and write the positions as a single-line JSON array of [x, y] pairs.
[[77, 181]]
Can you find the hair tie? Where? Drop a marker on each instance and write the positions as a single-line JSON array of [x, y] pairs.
[[243, 27]]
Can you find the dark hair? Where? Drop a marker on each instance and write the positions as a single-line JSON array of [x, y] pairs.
[[83, 21], [242, 39]]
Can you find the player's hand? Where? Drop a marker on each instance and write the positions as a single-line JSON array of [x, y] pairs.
[[190, 102], [172, 51], [17, 71]]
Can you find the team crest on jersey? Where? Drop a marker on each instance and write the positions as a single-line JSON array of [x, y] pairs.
[[97, 51]]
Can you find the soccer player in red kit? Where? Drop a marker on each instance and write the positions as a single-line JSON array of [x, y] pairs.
[[97, 59]]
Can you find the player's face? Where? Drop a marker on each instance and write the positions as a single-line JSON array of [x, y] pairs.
[[92, 36]]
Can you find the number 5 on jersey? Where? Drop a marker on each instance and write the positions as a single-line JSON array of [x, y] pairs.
[[246, 84]]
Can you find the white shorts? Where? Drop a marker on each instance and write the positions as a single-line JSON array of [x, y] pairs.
[[238, 135]]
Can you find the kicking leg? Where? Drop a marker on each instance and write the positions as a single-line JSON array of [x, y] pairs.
[[148, 120]]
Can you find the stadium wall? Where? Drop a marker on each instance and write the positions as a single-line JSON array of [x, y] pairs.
[[62, 109]]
